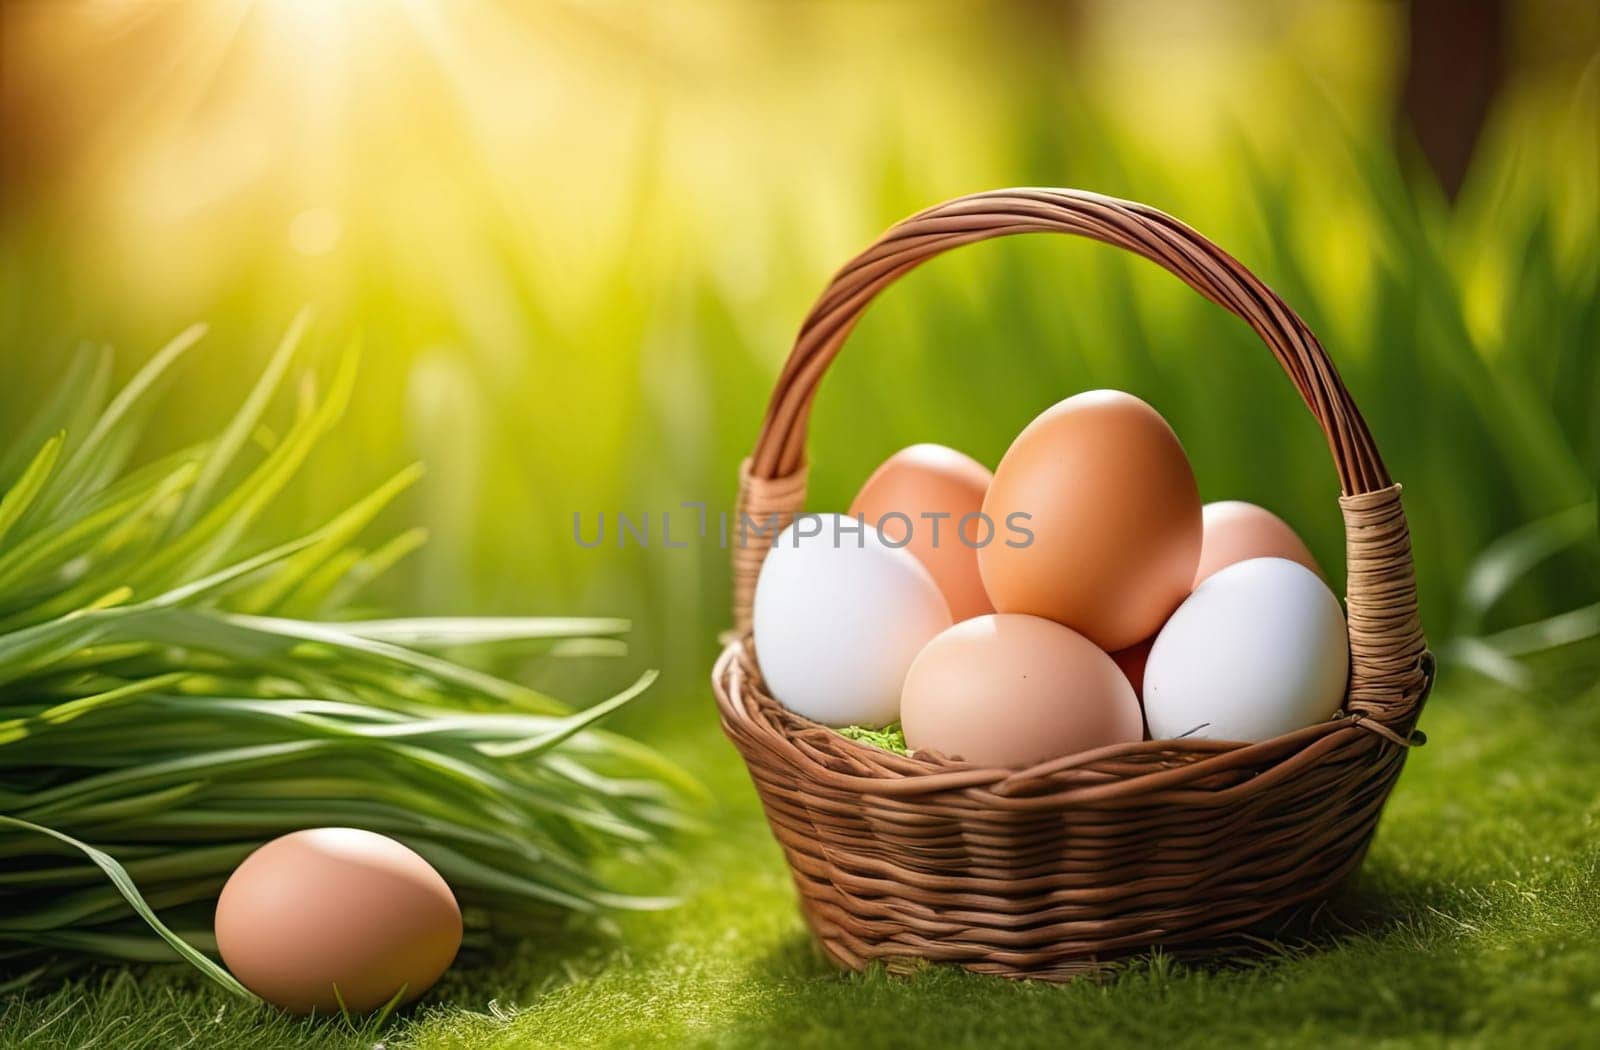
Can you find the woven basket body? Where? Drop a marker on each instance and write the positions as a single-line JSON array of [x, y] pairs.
[[1047, 872]]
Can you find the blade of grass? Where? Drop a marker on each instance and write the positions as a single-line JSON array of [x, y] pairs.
[[444, 633], [20, 496], [70, 407], [98, 456], [1514, 555], [130, 893], [218, 531], [243, 423], [331, 537], [571, 725], [320, 597]]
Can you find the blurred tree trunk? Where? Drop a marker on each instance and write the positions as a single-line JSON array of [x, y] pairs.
[[1455, 67]]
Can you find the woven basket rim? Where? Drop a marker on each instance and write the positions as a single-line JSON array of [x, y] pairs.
[[1099, 775]]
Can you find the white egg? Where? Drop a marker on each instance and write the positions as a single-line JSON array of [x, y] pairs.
[[1258, 650], [839, 616]]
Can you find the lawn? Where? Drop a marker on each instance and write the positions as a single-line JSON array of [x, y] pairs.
[[1474, 921]]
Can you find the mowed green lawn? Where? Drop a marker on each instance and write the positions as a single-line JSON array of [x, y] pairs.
[[1476, 921]]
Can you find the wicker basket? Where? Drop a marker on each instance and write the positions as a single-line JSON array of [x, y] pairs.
[[1048, 871]]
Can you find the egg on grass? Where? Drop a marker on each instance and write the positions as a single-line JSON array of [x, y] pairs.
[[929, 500], [1258, 650], [838, 617], [327, 917], [1013, 690]]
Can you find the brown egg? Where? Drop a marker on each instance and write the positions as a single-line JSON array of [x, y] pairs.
[[1237, 531], [336, 907], [1103, 487], [1012, 690], [934, 480]]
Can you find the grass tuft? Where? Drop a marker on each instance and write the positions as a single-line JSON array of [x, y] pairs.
[[167, 703]]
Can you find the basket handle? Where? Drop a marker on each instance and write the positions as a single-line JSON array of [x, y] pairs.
[[1387, 644]]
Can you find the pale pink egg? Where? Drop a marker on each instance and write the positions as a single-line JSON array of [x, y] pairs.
[[1014, 690], [1236, 531], [929, 499]]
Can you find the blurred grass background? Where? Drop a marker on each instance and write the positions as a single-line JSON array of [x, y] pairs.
[[573, 241]]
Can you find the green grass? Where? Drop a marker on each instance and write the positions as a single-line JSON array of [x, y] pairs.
[[166, 706], [1476, 920]]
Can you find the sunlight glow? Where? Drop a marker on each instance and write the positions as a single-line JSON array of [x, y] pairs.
[[318, 21]]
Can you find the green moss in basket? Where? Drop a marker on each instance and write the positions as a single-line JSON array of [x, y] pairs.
[[891, 737]]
